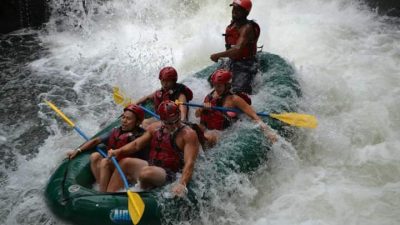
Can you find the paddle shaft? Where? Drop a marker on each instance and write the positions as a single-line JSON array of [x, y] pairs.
[[294, 119], [223, 109], [150, 112]]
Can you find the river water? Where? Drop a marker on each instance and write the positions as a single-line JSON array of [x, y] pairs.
[[347, 60]]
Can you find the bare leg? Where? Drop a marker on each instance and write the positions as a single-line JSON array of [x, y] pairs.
[[95, 159], [211, 138], [152, 176], [115, 183], [106, 170], [131, 167]]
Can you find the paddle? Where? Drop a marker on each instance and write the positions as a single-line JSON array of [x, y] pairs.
[[120, 99], [135, 202], [295, 119]]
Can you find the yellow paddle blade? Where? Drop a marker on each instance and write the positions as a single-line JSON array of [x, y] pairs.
[[296, 119], [61, 114], [119, 97], [178, 102], [135, 206]]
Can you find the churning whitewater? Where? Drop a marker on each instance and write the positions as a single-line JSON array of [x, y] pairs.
[[347, 60]]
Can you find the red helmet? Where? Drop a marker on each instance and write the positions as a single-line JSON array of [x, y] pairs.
[[245, 4], [169, 111], [137, 111], [221, 76], [168, 73]]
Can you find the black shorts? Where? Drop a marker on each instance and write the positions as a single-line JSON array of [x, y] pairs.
[[170, 175]]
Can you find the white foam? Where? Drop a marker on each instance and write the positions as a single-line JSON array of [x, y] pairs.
[[344, 172]]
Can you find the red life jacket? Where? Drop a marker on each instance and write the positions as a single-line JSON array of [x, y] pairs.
[[218, 120], [164, 152], [244, 96], [215, 119], [118, 139], [232, 35], [173, 94]]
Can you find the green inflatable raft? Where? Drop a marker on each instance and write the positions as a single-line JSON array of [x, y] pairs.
[[243, 149]]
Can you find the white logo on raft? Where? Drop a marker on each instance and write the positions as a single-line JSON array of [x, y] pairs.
[[119, 215]]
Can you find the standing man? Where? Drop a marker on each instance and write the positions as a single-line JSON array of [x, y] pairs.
[[173, 149], [241, 47], [129, 130]]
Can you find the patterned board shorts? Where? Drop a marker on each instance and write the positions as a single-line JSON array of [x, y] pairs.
[[244, 72]]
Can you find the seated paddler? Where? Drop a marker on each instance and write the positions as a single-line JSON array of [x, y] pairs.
[[130, 129], [170, 90], [174, 148], [212, 120]]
